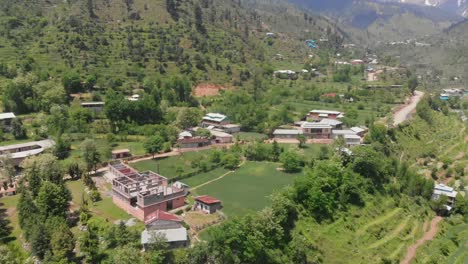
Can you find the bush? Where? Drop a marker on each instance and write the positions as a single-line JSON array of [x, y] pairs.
[[94, 195]]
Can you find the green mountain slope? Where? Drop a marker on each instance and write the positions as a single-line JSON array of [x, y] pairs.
[[126, 41]]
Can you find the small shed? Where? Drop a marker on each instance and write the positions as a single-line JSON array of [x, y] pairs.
[[207, 204], [121, 153]]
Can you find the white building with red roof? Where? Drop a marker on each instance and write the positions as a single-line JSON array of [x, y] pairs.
[[207, 204]]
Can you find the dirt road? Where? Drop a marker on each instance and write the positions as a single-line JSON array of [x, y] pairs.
[[403, 113], [429, 235]]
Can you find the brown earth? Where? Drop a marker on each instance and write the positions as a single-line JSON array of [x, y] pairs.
[[207, 89]]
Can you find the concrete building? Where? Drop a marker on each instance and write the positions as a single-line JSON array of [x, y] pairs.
[[442, 189], [287, 133], [18, 152], [194, 142], [316, 130], [5, 121], [141, 194]]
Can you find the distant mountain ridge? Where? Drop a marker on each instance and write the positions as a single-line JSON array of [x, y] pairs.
[[455, 6]]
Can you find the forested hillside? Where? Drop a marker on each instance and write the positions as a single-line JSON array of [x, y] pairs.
[[122, 43]]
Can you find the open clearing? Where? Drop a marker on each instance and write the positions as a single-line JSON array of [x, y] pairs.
[[247, 189]]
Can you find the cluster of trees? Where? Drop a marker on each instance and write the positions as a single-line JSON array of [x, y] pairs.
[[43, 209]]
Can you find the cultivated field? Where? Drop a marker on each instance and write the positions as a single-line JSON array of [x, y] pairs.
[[247, 189]]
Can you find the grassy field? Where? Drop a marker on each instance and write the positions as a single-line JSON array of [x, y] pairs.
[[204, 177], [104, 208], [247, 189], [250, 136], [171, 167]]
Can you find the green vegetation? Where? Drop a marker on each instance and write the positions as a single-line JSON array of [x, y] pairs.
[[247, 190]]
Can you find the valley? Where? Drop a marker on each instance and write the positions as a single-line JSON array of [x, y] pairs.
[[233, 131]]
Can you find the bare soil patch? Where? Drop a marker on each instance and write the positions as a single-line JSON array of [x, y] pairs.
[[207, 89]]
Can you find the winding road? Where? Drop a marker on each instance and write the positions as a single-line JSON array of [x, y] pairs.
[[403, 113]]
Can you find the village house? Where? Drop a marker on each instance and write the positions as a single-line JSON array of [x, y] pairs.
[[207, 204], [164, 226], [121, 153], [6, 120], [351, 138], [316, 130], [442, 189], [360, 131], [141, 194], [221, 137], [287, 133], [193, 142], [19, 152], [334, 123], [317, 115], [95, 107], [219, 121], [285, 74]]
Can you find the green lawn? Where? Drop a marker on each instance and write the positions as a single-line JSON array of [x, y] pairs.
[[308, 151], [204, 177], [168, 167], [104, 208], [247, 189]]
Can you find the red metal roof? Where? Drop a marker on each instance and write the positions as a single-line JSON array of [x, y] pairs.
[[207, 199], [161, 215]]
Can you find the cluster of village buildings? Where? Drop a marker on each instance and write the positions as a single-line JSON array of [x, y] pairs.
[[149, 196], [323, 124]]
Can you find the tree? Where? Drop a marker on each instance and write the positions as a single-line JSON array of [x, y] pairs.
[[276, 151], [8, 256], [7, 169], [26, 209], [53, 200], [230, 161], [153, 145], [46, 166], [412, 84], [72, 82], [89, 245], [199, 19], [126, 255], [62, 148], [75, 168], [291, 161], [302, 140], [40, 240], [171, 7], [188, 117], [62, 241], [17, 129], [439, 204], [90, 154]]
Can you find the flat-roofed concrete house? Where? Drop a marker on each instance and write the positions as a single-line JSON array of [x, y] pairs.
[[164, 226], [207, 204], [18, 152], [194, 142], [5, 121], [442, 189], [221, 137], [95, 107], [317, 115], [121, 153], [360, 131], [287, 133], [334, 123], [350, 137], [316, 130], [141, 194]]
